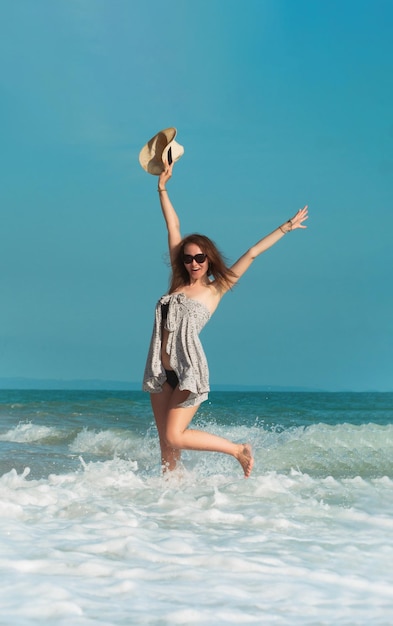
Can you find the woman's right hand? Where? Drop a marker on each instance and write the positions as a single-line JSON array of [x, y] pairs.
[[165, 175]]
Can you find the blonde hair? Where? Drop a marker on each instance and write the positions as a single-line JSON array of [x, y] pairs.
[[217, 267]]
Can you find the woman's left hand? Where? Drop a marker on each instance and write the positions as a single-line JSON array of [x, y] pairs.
[[298, 219], [165, 175]]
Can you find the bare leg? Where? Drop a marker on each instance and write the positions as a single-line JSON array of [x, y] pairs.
[[160, 405], [179, 436]]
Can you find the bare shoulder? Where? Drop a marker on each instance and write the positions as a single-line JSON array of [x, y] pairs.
[[214, 296], [209, 295]]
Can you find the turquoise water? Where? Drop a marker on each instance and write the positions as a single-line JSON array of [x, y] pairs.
[[92, 534]]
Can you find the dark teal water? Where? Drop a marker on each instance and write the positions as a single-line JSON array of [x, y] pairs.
[[305, 429]]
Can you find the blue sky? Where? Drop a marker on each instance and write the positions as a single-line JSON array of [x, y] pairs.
[[278, 104]]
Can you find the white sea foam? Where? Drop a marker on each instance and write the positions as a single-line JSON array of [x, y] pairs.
[[287, 548], [104, 442], [28, 432]]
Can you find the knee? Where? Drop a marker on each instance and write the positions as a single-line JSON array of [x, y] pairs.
[[172, 438]]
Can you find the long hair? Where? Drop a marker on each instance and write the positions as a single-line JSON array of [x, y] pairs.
[[217, 267]]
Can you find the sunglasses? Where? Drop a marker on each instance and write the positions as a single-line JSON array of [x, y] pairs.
[[199, 258]]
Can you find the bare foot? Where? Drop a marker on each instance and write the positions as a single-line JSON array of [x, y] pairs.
[[245, 458]]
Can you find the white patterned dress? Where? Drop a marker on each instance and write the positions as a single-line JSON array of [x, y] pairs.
[[185, 319]]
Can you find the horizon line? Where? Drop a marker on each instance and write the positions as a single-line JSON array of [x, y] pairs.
[[96, 384]]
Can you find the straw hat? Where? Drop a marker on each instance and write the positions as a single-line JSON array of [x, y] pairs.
[[155, 153]]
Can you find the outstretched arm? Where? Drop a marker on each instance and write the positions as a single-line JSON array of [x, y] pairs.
[[171, 219], [242, 264]]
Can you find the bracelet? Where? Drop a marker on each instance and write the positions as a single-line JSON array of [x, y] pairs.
[[160, 190], [289, 229]]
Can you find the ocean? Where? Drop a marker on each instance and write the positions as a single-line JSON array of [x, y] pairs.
[[93, 534]]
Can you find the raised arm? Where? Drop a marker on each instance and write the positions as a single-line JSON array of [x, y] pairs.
[[242, 264], [169, 213]]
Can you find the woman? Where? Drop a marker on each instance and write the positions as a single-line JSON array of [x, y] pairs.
[[176, 373]]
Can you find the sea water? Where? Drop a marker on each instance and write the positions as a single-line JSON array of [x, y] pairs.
[[92, 533]]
